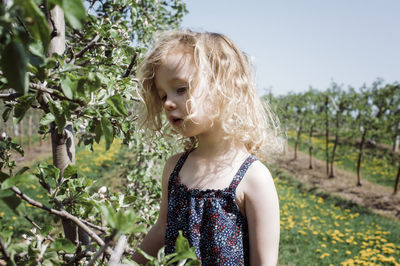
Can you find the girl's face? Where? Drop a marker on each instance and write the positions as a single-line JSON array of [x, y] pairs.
[[172, 83]]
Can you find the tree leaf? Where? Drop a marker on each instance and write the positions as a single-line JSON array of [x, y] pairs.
[[116, 103], [39, 27], [15, 180], [57, 111], [75, 13], [6, 113], [47, 119], [107, 130], [24, 103], [13, 63], [69, 86], [64, 245]]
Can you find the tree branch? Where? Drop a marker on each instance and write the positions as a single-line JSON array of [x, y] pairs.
[[118, 251], [129, 69], [62, 213], [95, 38], [38, 227], [4, 250], [10, 96], [101, 250]]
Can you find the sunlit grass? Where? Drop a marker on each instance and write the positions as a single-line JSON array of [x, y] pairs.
[[317, 229]]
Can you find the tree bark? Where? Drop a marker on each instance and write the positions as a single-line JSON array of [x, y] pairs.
[[360, 154], [297, 142], [396, 183], [310, 148], [331, 172], [21, 132], [327, 135], [30, 132]]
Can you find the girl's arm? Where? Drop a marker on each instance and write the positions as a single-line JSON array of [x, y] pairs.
[[155, 238], [262, 212]]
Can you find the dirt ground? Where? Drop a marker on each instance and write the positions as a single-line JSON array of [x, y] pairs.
[[36, 153], [379, 199]]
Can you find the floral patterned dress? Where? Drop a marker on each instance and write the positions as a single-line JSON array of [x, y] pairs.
[[210, 219]]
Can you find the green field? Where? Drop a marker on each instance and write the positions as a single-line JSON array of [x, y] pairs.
[[316, 229]]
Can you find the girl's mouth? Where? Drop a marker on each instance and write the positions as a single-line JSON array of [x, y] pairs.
[[177, 121]]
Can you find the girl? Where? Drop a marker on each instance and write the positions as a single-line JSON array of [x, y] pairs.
[[217, 192]]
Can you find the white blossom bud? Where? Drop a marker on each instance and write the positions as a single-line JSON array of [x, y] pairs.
[[102, 190], [24, 236], [33, 230]]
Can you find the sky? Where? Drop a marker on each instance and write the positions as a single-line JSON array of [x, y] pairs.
[[295, 44]]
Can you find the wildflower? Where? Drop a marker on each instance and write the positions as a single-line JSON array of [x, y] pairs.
[[324, 255]]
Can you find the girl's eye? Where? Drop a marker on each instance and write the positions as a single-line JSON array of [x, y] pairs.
[[163, 98], [181, 90]]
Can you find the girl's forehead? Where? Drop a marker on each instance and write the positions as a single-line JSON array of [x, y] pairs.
[[177, 64]]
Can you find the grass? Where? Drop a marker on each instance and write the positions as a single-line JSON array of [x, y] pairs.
[[319, 229], [376, 169]]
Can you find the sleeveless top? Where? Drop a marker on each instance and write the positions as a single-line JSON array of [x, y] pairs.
[[210, 219]]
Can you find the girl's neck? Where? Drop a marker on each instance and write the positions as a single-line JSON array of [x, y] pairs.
[[214, 146]]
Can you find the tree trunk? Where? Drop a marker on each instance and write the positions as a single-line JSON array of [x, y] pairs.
[[327, 135], [29, 132], [396, 183], [310, 147], [360, 154], [63, 145], [21, 132], [396, 143], [331, 172], [297, 142]]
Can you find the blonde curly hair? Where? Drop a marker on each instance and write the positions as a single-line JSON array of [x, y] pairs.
[[225, 81]]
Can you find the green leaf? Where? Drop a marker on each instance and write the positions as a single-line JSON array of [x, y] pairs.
[[13, 63], [183, 249], [24, 103], [116, 103], [109, 215], [69, 87], [12, 202], [22, 170], [64, 245], [15, 180], [98, 131], [6, 113], [70, 171], [107, 130], [57, 111], [47, 119], [75, 13], [3, 176], [39, 27]]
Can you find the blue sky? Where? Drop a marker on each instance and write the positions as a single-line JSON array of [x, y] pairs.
[[300, 43]]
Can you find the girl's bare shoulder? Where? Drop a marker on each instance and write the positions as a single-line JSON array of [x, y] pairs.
[[258, 177]]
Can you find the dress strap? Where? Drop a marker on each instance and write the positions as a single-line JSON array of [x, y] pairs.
[[180, 163], [241, 172]]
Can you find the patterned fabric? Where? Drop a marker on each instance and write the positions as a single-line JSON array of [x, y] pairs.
[[210, 219]]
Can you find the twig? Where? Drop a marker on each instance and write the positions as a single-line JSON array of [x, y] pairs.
[[4, 250], [118, 251], [100, 228], [10, 96], [38, 227], [101, 250], [62, 213], [129, 69], [88, 46]]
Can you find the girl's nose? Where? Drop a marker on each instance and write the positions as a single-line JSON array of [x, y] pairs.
[[169, 105]]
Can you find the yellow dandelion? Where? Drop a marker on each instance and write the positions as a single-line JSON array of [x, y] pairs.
[[324, 255], [14, 218], [11, 227], [1, 214], [348, 252]]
